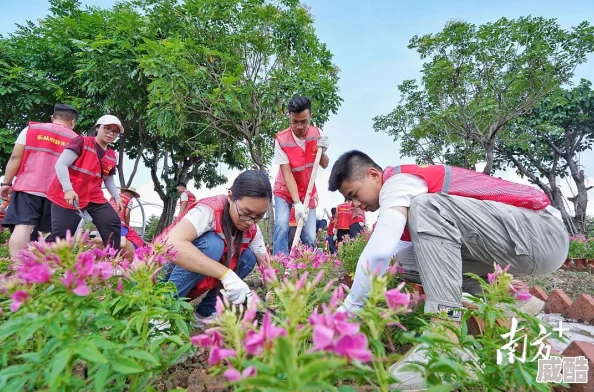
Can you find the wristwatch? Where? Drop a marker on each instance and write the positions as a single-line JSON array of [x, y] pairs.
[[5, 183]]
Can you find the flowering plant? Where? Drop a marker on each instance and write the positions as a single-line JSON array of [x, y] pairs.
[[306, 343], [66, 307]]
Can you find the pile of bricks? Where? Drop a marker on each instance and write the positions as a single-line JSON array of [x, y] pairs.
[[578, 265], [580, 310]]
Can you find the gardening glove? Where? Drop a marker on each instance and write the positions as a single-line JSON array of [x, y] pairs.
[[335, 238], [235, 289], [323, 142], [300, 211]]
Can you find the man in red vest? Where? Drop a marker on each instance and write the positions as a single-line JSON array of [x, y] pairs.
[[357, 222], [295, 150], [32, 161], [185, 197], [331, 231], [343, 220], [127, 196], [458, 221]]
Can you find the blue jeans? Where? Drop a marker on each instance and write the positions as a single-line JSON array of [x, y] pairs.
[[331, 244], [282, 212], [212, 246]]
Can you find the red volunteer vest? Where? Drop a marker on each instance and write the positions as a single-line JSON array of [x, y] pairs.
[[191, 197], [301, 162], [359, 218], [467, 183], [44, 145], [217, 204], [86, 176], [125, 201], [344, 216]]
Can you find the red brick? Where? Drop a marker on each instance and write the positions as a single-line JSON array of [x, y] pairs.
[[475, 326], [539, 293], [558, 302], [582, 309], [586, 349]]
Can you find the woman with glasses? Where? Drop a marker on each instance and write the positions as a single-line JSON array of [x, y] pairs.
[[76, 193], [219, 242]]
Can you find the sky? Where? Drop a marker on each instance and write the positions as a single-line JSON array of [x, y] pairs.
[[369, 43]]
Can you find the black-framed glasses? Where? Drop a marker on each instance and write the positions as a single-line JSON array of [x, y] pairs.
[[247, 218], [109, 130]]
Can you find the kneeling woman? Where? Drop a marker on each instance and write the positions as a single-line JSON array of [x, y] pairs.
[[218, 240]]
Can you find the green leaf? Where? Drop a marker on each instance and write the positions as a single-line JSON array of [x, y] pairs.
[[144, 355], [315, 367], [90, 353], [57, 365], [125, 365], [440, 388], [100, 378], [284, 356], [15, 370]]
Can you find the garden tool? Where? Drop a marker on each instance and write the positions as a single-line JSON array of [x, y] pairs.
[[82, 213]]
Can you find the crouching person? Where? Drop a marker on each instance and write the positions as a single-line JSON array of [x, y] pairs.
[[457, 221], [219, 242]]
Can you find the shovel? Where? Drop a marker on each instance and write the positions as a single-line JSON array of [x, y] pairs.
[[82, 213]]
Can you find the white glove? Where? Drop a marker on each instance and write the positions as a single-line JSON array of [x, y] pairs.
[[335, 238], [300, 212], [323, 142], [235, 289]]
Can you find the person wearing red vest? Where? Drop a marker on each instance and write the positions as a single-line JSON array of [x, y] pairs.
[[219, 242], [331, 231], [357, 223], [83, 167], [127, 196], [130, 240], [343, 220], [458, 221], [185, 197], [32, 161], [295, 151]]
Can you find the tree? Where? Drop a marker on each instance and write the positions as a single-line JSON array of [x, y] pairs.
[[544, 146], [151, 228], [237, 71], [476, 80]]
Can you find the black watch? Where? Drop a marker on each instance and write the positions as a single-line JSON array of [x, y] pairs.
[[5, 183]]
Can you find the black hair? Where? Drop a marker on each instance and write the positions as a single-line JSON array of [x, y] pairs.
[[250, 183], [299, 103], [333, 211], [352, 165], [65, 112], [181, 183]]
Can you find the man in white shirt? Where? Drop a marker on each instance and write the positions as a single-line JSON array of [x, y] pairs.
[[295, 149], [457, 221]]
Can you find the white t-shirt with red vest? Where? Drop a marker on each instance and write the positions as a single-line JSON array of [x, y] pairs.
[[203, 219], [398, 191]]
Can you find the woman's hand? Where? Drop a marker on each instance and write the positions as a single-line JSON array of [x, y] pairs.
[[70, 196]]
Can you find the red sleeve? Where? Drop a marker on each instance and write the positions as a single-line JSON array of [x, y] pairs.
[[76, 145]]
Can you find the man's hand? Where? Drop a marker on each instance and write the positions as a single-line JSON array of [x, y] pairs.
[[5, 191], [323, 142], [300, 211], [70, 196], [235, 289]]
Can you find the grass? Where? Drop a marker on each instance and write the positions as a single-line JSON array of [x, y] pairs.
[[573, 283]]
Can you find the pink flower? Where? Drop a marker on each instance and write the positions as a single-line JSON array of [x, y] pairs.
[[33, 272], [84, 264], [498, 271], [301, 265], [396, 299], [210, 338], [323, 337], [120, 287], [301, 282], [18, 298], [217, 354], [81, 288], [519, 290], [337, 295], [256, 342], [233, 374], [250, 313], [103, 270], [353, 347]]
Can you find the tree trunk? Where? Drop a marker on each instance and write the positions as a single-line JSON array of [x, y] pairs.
[[489, 149], [167, 215]]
